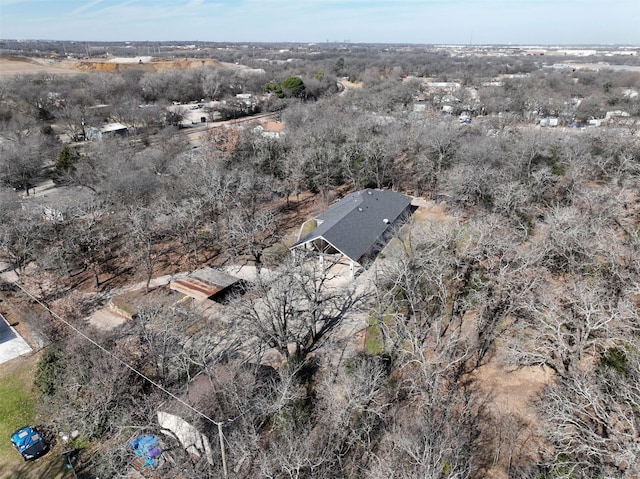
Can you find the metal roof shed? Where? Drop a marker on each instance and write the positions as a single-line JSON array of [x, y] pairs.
[[204, 283]]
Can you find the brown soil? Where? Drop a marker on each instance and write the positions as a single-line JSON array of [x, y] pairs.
[[299, 209], [11, 66], [511, 425], [16, 65], [430, 212], [155, 65]]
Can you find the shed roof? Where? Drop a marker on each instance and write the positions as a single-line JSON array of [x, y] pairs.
[[203, 283], [272, 126], [356, 222], [109, 127]]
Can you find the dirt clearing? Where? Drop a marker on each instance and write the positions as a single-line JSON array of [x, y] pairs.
[[16, 65], [10, 66]]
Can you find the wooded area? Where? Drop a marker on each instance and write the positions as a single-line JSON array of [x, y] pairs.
[[532, 270]]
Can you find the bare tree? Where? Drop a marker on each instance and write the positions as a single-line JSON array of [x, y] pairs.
[[353, 407], [23, 152], [88, 243], [20, 240], [147, 228], [562, 332], [252, 232], [591, 418], [296, 309], [75, 119]]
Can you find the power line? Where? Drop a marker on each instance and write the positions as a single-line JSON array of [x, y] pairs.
[[121, 361]]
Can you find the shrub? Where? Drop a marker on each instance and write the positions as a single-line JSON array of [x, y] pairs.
[[49, 371]]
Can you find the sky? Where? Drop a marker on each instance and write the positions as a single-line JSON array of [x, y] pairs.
[[518, 22]]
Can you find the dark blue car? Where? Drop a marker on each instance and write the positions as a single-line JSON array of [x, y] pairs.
[[29, 443]]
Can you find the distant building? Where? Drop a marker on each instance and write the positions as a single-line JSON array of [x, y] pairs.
[[109, 130], [552, 122], [270, 129], [616, 114], [442, 86], [577, 53]]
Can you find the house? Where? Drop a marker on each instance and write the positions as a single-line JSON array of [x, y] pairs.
[[356, 227], [270, 129], [108, 130], [616, 114], [550, 121], [441, 86]]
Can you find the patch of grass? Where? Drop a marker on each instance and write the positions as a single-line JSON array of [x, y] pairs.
[[308, 227], [18, 397], [615, 359], [17, 402], [131, 302], [374, 343], [373, 340], [276, 253], [125, 304]]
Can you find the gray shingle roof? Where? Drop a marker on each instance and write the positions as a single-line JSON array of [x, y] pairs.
[[356, 222]]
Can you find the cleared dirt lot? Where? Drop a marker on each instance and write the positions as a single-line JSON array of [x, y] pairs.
[[10, 66], [16, 65]]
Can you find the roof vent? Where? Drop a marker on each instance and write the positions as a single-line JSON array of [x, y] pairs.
[[359, 209], [386, 221], [369, 191]]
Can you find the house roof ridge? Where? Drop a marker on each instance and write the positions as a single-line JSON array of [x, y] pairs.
[[354, 223]]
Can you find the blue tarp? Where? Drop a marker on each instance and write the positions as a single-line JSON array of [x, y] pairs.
[[148, 448], [29, 443]]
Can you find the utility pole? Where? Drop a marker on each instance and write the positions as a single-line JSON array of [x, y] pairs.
[[222, 453]]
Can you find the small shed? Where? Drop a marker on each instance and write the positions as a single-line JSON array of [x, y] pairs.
[[205, 283], [107, 131]]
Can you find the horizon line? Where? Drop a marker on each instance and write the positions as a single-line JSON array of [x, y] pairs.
[[334, 42]]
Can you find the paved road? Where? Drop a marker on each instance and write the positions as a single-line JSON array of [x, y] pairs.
[[195, 133]]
